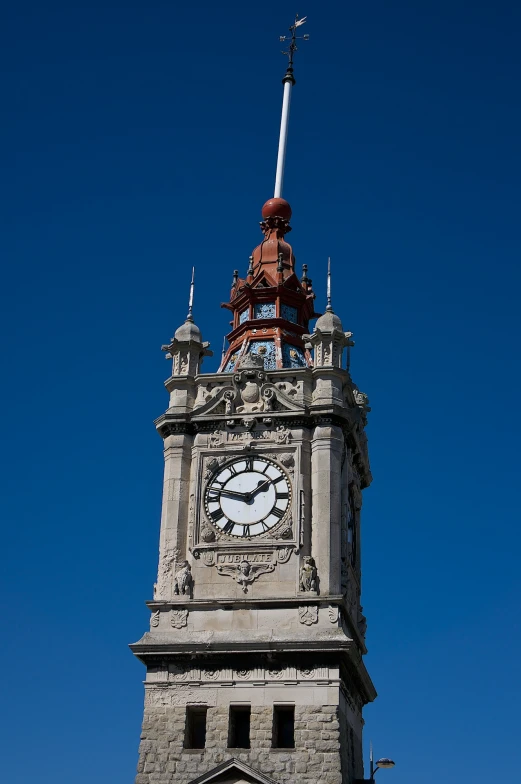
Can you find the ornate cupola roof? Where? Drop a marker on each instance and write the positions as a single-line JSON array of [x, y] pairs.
[[271, 307]]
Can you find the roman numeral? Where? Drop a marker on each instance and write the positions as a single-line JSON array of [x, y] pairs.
[[265, 526], [278, 479], [228, 528], [216, 489], [249, 463], [280, 496], [246, 530], [217, 515], [265, 468], [278, 512], [231, 468]]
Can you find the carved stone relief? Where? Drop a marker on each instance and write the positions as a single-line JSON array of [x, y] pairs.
[[154, 620], [244, 572], [284, 554], [165, 573], [210, 675], [333, 612], [179, 618], [308, 575], [308, 614], [183, 580], [282, 434], [288, 461]]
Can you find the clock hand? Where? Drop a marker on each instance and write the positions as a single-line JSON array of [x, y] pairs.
[[233, 493], [259, 487]]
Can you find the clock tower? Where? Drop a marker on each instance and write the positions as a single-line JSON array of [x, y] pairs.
[[254, 657]]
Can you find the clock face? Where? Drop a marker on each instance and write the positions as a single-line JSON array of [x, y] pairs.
[[248, 496]]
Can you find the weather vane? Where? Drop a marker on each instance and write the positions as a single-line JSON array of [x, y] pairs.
[[288, 82], [293, 38]]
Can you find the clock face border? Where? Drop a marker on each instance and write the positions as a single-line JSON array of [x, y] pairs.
[[253, 531]]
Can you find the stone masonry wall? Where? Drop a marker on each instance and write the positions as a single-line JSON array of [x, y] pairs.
[[316, 757]]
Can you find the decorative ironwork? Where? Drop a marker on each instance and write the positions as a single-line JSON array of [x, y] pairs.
[[263, 310], [293, 356], [266, 350], [289, 313], [230, 366]]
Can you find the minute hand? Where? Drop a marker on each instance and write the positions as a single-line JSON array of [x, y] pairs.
[[233, 493]]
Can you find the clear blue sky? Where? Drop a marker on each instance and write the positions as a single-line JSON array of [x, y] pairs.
[[138, 139]]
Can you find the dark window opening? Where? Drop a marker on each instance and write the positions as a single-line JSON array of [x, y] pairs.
[[284, 727], [195, 728], [239, 732]]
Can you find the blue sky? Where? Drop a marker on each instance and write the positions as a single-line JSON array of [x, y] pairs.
[[138, 139]]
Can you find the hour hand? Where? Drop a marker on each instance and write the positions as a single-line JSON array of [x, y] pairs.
[[260, 486]]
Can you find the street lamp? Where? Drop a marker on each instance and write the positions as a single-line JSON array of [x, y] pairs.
[[384, 762]]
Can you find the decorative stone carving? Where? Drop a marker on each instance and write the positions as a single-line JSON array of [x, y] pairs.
[[282, 435], [167, 561], [307, 673], [333, 613], [286, 532], [208, 557], [229, 405], [183, 580], [308, 614], [210, 675], [308, 575], [212, 463], [216, 438], [288, 461], [284, 554], [178, 618], [270, 398], [244, 572], [243, 674], [154, 620], [207, 534], [275, 674], [177, 673]]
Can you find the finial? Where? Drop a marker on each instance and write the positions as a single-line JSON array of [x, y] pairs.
[[224, 347], [329, 308], [288, 82], [304, 278], [280, 268], [191, 298], [292, 48], [250, 268], [235, 277]]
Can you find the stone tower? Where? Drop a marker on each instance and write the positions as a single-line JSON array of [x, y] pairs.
[[254, 668]]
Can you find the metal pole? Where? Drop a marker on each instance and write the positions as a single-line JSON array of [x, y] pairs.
[[283, 138]]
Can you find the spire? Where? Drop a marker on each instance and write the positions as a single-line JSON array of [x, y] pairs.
[[288, 81], [329, 309], [189, 316], [271, 307]]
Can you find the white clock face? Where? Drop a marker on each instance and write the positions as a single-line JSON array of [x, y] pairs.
[[248, 496]]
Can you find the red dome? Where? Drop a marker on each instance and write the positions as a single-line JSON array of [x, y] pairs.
[[276, 208]]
